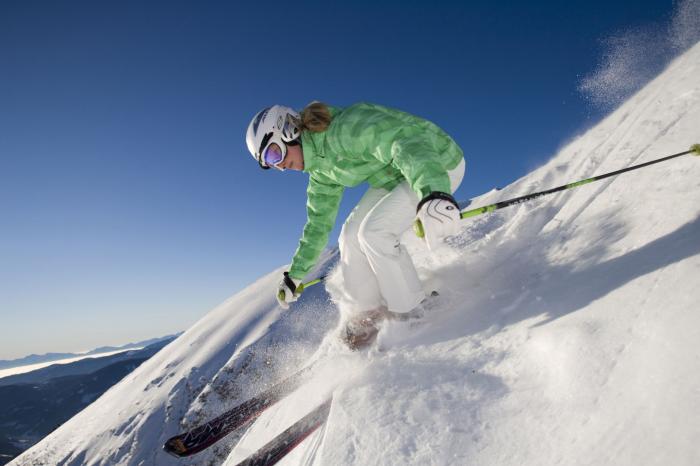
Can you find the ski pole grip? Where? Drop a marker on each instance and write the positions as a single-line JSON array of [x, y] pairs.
[[418, 228], [695, 148]]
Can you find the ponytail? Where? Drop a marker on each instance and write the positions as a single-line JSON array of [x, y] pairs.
[[315, 117]]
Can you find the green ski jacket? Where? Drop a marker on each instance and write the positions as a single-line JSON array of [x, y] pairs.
[[372, 143]]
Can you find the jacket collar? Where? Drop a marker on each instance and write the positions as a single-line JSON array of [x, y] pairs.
[[313, 159], [308, 147]]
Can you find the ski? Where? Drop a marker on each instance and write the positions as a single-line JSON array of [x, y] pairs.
[[285, 442], [203, 436]]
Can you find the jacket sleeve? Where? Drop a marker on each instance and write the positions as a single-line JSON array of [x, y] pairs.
[[414, 146], [323, 200], [419, 162]]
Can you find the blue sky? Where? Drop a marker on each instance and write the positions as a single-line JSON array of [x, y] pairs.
[[129, 204]]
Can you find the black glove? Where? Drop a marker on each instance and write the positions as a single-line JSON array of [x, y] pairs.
[[287, 291]]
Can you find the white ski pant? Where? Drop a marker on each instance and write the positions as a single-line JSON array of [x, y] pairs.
[[376, 268]]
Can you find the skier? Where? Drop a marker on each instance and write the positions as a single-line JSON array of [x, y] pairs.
[[412, 167]]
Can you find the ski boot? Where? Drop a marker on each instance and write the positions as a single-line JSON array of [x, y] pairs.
[[424, 307], [361, 329]]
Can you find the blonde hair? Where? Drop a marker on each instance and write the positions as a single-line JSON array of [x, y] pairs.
[[315, 117]]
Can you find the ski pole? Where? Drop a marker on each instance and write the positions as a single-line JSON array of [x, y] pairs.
[[302, 287], [418, 226]]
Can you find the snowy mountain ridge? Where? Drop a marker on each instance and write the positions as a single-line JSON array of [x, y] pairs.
[[35, 362], [568, 331]]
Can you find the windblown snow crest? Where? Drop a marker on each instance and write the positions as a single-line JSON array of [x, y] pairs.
[[567, 332], [628, 61]]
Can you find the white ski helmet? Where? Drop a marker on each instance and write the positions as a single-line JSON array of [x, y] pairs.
[[277, 124]]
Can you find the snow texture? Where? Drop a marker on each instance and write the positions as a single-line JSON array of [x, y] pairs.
[[632, 57], [627, 64], [567, 331]]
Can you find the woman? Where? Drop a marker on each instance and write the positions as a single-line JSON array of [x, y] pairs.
[[412, 167]]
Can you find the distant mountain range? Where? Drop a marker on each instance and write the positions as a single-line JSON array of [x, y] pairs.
[[49, 357], [85, 366], [36, 403]]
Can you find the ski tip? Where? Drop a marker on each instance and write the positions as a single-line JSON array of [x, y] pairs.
[[175, 447], [695, 149]]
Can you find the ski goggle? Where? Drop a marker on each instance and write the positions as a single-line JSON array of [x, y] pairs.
[[273, 155]]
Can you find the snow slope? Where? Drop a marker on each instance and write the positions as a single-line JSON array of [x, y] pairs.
[[568, 331]]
